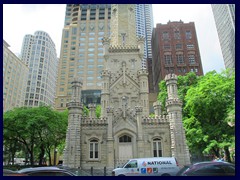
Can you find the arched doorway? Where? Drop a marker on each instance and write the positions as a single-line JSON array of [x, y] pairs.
[[125, 149]]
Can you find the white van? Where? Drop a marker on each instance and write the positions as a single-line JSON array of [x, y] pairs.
[[157, 166]]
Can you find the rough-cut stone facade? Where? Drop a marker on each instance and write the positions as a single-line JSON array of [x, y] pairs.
[[125, 129]]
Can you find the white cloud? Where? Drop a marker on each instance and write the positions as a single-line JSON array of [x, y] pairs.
[[29, 18], [22, 19]]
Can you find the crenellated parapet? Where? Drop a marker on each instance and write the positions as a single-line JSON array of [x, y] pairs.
[[121, 48], [87, 121], [157, 120], [174, 101], [74, 105]]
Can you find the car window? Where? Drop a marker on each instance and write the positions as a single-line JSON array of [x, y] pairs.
[[209, 170]]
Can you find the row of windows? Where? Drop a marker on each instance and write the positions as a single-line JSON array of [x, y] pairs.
[[180, 59], [165, 35], [179, 70], [178, 46], [94, 147]]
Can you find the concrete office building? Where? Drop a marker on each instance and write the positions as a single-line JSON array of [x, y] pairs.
[[15, 74], [175, 50], [82, 50], [224, 15], [39, 53]]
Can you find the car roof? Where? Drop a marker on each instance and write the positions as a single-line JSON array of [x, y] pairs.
[[212, 162], [25, 170]]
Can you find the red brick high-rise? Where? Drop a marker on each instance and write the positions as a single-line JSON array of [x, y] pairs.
[[174, 50]]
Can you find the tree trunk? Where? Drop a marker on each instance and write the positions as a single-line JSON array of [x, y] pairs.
[[227, 154], [41, 155]]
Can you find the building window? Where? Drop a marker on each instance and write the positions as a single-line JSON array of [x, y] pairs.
[[177, 35], [168, 59], [93, 149], [74, 31], [157, 147], [125, 138], [166, 46], [178, 46], [190, 46], [188, 35], [191, 59], [180, 59], [66, 34], [165, 35]]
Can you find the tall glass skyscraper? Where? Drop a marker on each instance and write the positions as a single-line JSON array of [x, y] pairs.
[[82, 50], [39, 53], [144, 22], [224, 15]]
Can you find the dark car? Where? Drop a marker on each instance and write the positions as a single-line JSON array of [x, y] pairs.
[[208, 168], [52, 171], [8, 172]]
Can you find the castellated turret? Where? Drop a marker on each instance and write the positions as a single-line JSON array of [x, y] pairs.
[[179, 147], [72, 151]]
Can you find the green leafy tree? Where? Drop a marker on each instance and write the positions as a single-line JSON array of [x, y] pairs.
[[36, 129], [98, 111], [208, 105], [208, 101]]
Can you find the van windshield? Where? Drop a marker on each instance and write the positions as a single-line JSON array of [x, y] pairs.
[[131, 164], [125, 164]]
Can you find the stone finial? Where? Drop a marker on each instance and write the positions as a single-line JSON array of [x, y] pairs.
[[106, 40], [92, 109], [157, 108], [170, 77], [110, 109]]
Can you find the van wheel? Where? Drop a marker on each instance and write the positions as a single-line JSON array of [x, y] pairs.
[[121, 175], [165, 174]]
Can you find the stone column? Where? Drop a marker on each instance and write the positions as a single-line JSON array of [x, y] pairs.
[[140, 144], [157, 108], [143, 80], [110, 140], [92, 109]]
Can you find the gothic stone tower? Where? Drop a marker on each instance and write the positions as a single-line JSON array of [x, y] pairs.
[[125, 85], [125, 129]]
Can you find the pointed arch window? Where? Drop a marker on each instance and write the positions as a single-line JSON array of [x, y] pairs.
[[125, 139], [94, 149], [157, 147]]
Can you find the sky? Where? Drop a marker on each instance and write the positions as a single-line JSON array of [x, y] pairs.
[[28, 18]]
